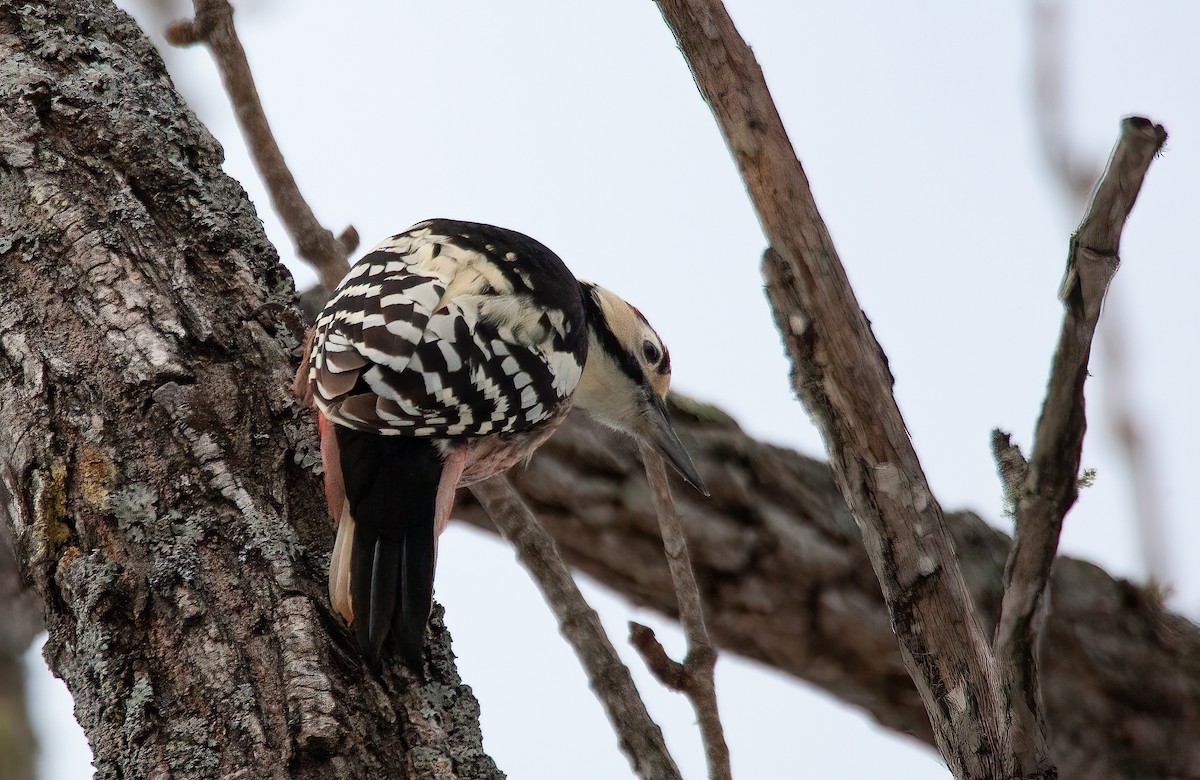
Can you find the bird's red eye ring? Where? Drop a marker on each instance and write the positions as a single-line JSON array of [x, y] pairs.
[[650, 352]]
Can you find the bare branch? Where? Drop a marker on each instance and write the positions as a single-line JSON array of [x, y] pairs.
[[1100, 232], [1076, 174], [843, 379], [316, 245], [639, 736], [700, 662], [1050, 487]]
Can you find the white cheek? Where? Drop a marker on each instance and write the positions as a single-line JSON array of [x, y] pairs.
[[618, 411], [607, 394]]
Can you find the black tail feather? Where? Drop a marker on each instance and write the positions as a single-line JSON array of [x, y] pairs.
[[416, 595], [362, 558], [391, 484], [385, 582]]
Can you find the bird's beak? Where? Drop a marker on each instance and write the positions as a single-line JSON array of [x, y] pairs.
[[656, 429]]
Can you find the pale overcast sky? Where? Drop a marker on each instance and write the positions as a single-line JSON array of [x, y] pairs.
[[578, 123]]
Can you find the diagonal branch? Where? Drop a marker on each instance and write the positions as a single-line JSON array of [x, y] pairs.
[[1076, 177], [1050, 488], [841, 375], [638, 734], [698, 681], [213, 26]]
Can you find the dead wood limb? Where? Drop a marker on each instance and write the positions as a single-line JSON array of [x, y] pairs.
[[843, 379], [1076, 174], [316, 245], [700, 662], [1050, 486], [639, 736]]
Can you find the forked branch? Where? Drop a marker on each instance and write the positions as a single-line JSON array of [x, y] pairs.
[[1049, 485], [841, 375], [1076, 174], [639, 736], [695, 677]]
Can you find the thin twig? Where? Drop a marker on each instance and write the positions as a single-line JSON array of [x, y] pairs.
[[213, 26], [665, 669], [1050, 486], [1076, 174], [699, 683], [639, 736]]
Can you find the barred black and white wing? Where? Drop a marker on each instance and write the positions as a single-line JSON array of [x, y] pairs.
[[447, 355], [451, 329]]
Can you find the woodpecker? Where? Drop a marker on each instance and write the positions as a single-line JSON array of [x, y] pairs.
[[448, 354]]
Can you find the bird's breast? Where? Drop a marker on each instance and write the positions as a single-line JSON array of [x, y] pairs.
[[488, 456]]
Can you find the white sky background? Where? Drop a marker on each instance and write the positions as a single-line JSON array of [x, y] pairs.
[[578, 123]]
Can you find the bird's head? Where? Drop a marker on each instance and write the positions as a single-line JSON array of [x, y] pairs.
[[626, 377]]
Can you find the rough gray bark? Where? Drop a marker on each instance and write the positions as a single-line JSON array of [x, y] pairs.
[[156, 476], [786, 582]]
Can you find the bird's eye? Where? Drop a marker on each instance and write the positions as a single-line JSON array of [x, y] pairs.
[[650, 352]]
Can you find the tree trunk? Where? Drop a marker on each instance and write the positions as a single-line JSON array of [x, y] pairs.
[[159, 482]]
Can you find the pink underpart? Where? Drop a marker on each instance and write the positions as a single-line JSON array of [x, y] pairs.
[[335, 487], [462, 465], [452, 469]]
